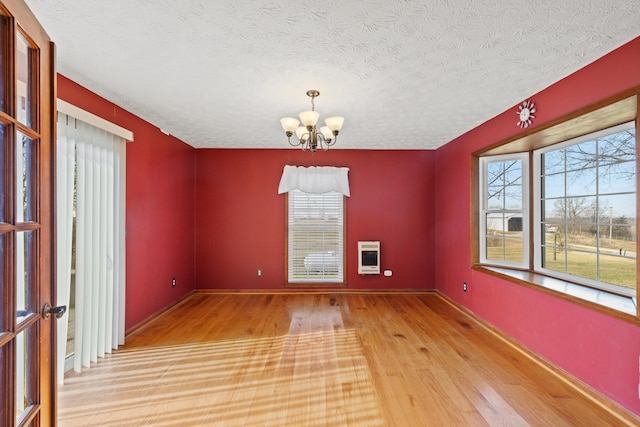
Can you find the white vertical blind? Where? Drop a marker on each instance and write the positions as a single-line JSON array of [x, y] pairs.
[[65, 175], [98, 158]]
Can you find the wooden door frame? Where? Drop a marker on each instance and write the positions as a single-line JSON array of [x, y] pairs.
[[41, 371]]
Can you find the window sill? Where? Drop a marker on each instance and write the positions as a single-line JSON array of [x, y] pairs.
[[622, 307], [314, 285]]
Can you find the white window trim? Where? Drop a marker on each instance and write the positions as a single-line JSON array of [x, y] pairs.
[[524, 158], [595, 285]]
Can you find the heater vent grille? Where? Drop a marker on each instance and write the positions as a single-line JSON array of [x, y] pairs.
[[369, 257]]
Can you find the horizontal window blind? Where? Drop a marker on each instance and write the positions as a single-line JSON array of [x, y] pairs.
[[315, 237]]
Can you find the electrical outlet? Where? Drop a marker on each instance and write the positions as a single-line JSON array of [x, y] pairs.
[[259, 273], [464, 286], [173, 282]]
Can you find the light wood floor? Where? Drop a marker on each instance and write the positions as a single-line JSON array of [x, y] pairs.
[[321, 360]]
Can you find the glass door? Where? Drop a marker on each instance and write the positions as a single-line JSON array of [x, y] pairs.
[[26, 257]]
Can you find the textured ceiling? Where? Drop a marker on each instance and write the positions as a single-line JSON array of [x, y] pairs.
[[405, 74]]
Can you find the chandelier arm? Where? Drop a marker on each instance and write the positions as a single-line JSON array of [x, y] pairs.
[[333, 141], [293, 145], [304, 143], [323, 143]]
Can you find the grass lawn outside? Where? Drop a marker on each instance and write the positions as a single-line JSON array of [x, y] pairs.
[[582, 258]]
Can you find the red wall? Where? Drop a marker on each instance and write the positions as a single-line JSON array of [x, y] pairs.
[[160, 207], [240, 218], [596, 348], [416, 202]]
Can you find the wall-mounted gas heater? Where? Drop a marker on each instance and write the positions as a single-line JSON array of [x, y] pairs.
[[368, 257]]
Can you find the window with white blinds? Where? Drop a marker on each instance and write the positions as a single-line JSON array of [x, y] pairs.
[[315, 237]]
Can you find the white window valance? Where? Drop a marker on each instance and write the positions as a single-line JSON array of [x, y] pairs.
[[315, 179], [93, 120]]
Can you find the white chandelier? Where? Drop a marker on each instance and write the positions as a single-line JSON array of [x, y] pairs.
[[308, 136]]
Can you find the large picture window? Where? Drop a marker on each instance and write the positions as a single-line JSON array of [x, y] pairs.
[[581, 199], [587, 209]]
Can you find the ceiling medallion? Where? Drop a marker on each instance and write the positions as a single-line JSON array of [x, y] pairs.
[[525, 113], [308, 136]]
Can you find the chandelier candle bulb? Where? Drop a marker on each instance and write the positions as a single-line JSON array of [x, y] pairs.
[[310, 137]]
